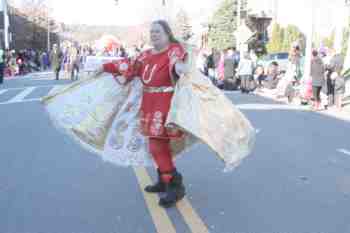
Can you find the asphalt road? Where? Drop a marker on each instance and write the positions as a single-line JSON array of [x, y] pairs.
[[297, 180]]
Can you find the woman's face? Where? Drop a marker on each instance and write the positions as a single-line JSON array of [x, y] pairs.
[[159, 38]]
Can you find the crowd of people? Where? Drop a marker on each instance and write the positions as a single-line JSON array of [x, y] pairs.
[[71, 58], [22, 62], [323, 87]]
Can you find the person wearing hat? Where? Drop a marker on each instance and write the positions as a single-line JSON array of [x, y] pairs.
[[56, 57]]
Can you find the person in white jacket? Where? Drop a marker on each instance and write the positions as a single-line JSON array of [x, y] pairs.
[[245, 72]]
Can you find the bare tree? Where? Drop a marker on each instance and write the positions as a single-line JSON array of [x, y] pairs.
[[37, 13]]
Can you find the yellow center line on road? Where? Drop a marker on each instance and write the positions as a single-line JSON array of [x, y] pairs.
[[159, 216], [192, 219]]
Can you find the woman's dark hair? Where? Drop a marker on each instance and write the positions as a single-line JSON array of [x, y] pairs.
[[167, 29]]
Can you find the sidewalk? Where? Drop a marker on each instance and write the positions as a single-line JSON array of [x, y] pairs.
[[33, 74], [42, 75], [344, 114]]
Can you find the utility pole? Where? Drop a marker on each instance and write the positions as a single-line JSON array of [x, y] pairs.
[[239, 5], [347, 57], [48, 32], [275, 9], [309, 37], [6, 24], [339, 12]]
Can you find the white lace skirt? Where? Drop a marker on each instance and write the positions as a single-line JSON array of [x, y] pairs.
[[102, 116]]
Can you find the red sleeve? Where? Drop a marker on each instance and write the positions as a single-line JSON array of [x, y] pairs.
[[123, 67], [110, 68], [176, 53]]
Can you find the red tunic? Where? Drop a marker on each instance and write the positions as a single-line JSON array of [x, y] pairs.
[[155, 70]]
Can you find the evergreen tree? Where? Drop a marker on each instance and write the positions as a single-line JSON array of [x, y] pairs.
[[292, 34], [223, 26], [277, 36], [346, 33], [329, 41]]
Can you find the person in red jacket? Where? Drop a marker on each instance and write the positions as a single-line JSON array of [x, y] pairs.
[[158, 68]]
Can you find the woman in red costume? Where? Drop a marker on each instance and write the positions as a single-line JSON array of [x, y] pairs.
[[158, 68], [94, 110]]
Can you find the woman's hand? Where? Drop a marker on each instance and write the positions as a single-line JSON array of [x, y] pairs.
[[181, 68]]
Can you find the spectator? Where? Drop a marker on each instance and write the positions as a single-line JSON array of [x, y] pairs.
[[245, 72], [317, 72], [211, 65], [285, 87], [271, 80], [260, 75], [2, 64], [236, 57], [20, 61], [12, 63], [230, 82], [221, 70], [46, 61], [201, 60], [335, 65], [122, 52], [56, 58], [74, 63], [339, 87]]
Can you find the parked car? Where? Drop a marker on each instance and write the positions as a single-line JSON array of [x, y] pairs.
[[280, 58]]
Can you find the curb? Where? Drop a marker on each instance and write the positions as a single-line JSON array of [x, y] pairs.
[[343, 115]]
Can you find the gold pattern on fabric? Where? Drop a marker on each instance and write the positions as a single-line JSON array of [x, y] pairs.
[[203, 111]]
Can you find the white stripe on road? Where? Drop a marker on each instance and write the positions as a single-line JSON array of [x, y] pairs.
[[40, 86], [22, 101], [20, 97], [269, 107], [344, 151], [3, 91]]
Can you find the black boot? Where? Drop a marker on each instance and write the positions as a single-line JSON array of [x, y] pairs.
[[175, 191], [158, 187]]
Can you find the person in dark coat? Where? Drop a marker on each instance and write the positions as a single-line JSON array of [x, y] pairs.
[[317, 73], [56, 58], [335, 65], [2, 64], [230, 82]]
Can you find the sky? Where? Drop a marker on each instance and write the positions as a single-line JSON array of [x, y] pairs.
[[132, 12], [126, 12]]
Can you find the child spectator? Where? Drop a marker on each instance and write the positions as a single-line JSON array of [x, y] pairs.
[[339, 89]]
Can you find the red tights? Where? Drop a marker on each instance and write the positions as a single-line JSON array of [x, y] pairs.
[[160, 150]]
